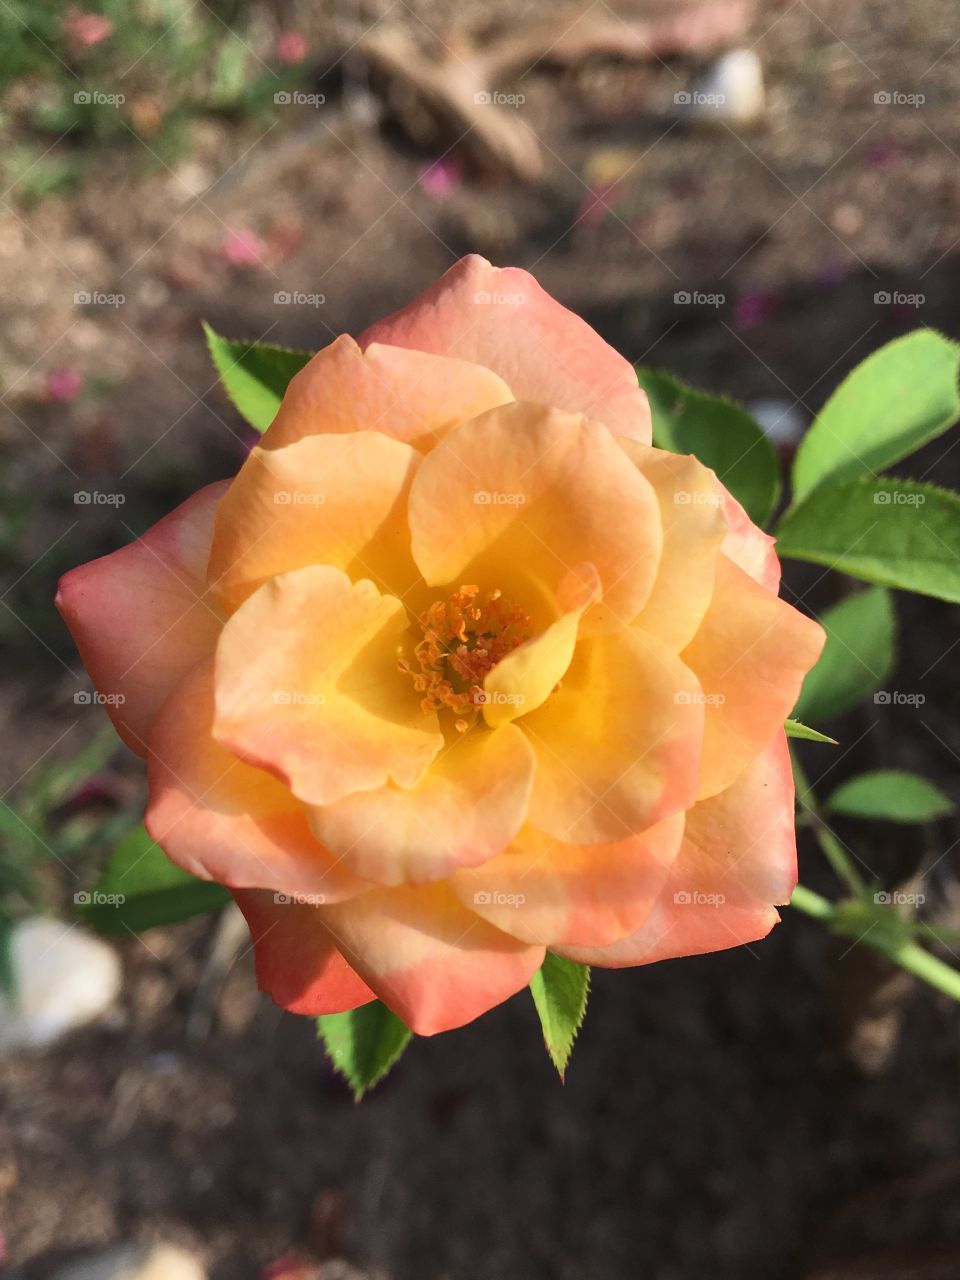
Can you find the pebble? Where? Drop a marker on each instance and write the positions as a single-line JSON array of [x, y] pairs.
[[64, 977], [134, 1262], [731, 89], [781, 420]]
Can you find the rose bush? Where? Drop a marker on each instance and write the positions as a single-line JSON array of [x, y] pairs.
[[459, 668]]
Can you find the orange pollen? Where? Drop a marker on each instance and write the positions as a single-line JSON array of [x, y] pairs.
[[464, 637]]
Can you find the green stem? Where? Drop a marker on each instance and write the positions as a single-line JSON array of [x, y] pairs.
[[812, 904], [913, 958], [833, 850], [908, 955]]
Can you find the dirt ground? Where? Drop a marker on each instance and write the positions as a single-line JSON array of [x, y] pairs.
[[778, 1111]]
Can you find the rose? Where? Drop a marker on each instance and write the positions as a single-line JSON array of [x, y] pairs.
[[504, 726]]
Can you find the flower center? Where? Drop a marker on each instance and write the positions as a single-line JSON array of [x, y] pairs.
[[464, 637]]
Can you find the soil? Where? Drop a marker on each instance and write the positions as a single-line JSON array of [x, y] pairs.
[[782, 1110]]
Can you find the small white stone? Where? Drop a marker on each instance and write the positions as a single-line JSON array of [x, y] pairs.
[[63, 977], [781, 420], [135, 1262], [731, 89]]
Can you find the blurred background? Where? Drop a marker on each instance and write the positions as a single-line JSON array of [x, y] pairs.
[[751, 195]]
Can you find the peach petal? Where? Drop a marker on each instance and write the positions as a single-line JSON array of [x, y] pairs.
[[328, 499], [749, 547], [524, 486], [737, 860], [618, 744], [297, 962], [750, 655], [692, 511], [142, 617], [502, 319], [541, 890], [414, 396], [433, 962], [223, 820], [466, 808], [307, 687]]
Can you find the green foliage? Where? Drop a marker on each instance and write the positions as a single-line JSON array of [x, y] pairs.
[[718, 432], [560, 989], [898, 533], [363, 1044], [899, 398], [140, 888], [890, 794], [255, 375], [859, 655]]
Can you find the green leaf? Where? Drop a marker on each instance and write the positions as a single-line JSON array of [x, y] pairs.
[[890, 794], [899, 533], [254, 374], [895, 401], [859, 655], [718, 432], [797, 730], [140, 888], [560, 991], [363, 1044]]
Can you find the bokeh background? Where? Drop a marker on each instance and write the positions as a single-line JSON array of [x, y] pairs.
[[291, 171]]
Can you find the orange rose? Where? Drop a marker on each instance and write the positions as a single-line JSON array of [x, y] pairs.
[[459, 668]]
